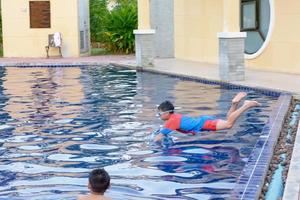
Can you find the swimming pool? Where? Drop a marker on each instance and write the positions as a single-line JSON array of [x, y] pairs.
[[59, 123]]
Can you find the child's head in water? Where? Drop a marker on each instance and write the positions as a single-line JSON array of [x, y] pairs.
[[99, 181], [165, 109]]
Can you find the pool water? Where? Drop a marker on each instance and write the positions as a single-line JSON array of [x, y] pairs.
[[57, 124]]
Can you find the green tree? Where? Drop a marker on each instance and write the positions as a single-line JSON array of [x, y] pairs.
[[119, 26], [98, 11], [114, 28]]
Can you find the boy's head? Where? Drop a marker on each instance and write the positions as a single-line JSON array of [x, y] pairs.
[[99, 181], [165, 109]]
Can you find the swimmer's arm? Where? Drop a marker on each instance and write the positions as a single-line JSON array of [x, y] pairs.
[[158, 137], [162, 133]]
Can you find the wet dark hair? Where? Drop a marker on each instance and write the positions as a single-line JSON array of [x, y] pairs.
[[99, 180], [165, 106]]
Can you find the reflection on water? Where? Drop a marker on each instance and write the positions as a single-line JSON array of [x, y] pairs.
[[59, 123]]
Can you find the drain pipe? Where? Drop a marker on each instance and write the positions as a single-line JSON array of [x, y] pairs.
[[275, 190]]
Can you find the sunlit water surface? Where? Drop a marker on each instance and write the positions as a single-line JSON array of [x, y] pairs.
[[57, 124]]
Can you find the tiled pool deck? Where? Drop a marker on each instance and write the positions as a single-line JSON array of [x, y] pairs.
[[65, 62], [270, 83]]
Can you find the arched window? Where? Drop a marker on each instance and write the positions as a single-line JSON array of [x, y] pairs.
[[255, 20]]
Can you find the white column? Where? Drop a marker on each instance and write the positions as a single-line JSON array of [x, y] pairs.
[[231, 44], [144, 36], [231, 15], [143, 14], [225, 15]]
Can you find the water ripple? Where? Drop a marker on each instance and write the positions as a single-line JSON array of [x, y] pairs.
[[60, 123]]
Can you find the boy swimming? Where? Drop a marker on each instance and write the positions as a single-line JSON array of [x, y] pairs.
[[186, 124]]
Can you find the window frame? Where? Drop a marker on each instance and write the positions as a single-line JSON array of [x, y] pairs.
[[256, 28]]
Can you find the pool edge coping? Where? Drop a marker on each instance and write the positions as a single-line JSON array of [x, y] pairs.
[[56, 64]]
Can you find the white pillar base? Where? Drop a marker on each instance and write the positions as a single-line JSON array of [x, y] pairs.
[[144, 47]]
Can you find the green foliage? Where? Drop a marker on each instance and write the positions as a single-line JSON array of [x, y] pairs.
[[98, 11], [98, 51], [114, 28], [1, 41], [119, 26]]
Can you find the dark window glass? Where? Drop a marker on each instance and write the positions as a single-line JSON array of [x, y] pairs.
[[249, 20]]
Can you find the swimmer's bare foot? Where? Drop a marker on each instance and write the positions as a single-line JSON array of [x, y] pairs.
[[251, 104], [235, 102], [238, 97]]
